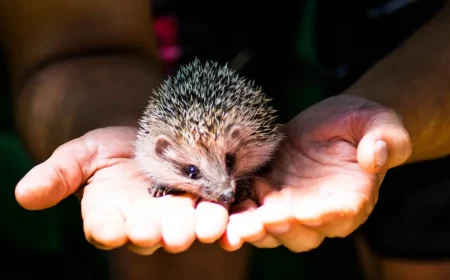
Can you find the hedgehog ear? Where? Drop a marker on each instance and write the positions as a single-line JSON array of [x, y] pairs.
[[237, 132], [234, 132], [162, 145]]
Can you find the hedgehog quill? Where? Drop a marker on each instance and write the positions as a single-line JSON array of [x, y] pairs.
[[206, 131]]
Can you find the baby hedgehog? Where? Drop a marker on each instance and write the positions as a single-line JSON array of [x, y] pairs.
[[206, 131]]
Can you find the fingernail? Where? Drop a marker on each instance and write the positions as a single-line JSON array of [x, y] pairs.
[[143, 251], [148, 251], [279, 228], [381, 153]]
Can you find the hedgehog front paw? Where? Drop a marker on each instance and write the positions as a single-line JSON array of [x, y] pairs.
[[158, 190]]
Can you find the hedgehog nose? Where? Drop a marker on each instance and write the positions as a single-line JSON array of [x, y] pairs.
[[227, 197]]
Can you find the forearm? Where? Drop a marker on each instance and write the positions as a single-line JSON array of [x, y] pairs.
[[414, 80], [70, 97], [76, 66]]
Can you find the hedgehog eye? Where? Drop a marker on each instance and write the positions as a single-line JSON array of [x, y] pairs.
[[230, 159], [192, 172]]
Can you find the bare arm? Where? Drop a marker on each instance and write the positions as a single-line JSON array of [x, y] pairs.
[[76, 66], [414, 80]]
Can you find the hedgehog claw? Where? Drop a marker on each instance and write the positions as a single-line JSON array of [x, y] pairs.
[[160, 193], [157, 191]]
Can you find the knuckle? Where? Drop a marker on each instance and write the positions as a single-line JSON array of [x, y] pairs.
[[342, 229], [314, 241], [61, 173], [341, 233], [267, 242], [104, 236]]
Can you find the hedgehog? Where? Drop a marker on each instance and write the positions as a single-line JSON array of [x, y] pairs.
[[206, 131]]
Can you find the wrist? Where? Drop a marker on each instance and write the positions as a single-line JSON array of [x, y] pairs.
[[68, 98]]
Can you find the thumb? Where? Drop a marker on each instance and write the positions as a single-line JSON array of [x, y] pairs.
[[58, 177], [385, 143], [72, 164]]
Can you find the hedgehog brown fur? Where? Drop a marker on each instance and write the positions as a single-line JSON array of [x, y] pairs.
[[206, 131]]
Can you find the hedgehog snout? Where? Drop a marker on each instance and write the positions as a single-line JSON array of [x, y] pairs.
[[220, 190], [227, 196], [228, 191]]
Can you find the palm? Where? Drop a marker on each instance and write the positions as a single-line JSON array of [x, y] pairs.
[[112, 193], [116, 206], [325, 177], [317, 169], [330, 183], [116, 174], [117, 179]]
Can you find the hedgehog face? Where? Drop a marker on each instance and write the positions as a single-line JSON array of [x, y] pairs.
[[206, 172], [211, 168]]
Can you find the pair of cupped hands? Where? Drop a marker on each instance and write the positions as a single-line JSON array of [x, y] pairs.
[[325, 183]]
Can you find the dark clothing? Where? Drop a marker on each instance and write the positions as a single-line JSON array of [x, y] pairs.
[[411, 217]]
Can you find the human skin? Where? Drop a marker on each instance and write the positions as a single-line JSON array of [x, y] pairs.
[[78, 67], [347, 154], [406, 105]]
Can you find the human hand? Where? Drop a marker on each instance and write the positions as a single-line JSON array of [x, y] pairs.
[[116, 206], [326, 176]]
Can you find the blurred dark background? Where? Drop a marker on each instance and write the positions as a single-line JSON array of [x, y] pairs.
[[290, 56]]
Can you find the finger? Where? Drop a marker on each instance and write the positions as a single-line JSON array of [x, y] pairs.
[[143, 251], [70, 166], [278, 222], [211, 221], [244, 223], [104, 227], [273, 214], [50, 182], [143, 226], [242, 226], [276, 211], [337, 215], [385, 144], [103, 219], [178, 219], [267, 242], [230, 241], [353, 210], [296, 237]]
